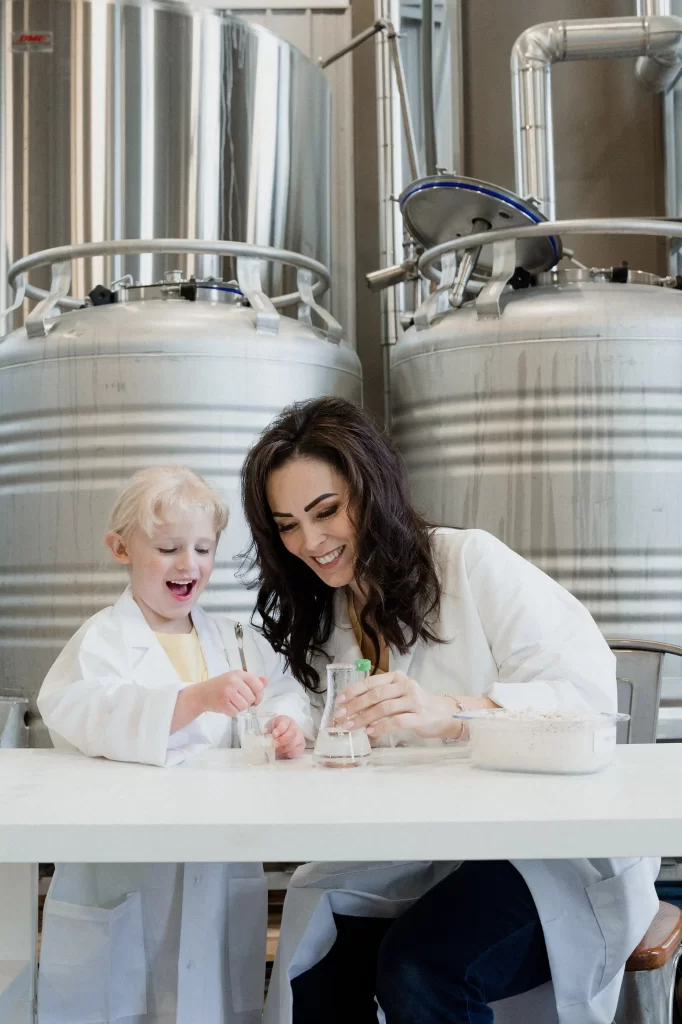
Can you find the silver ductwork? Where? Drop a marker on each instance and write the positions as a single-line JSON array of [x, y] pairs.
[[655, 39]]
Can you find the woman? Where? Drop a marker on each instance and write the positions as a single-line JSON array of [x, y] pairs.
[[450, 619]]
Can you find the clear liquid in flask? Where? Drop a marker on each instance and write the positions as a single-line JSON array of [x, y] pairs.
[[335, 746]]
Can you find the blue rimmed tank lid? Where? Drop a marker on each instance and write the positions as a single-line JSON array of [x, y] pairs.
[[445, 206]]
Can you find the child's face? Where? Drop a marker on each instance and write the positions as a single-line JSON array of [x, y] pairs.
[[169, 570]]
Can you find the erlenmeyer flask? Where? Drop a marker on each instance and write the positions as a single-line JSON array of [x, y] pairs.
[[335, 746]]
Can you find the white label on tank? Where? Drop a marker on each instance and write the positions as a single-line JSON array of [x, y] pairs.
[[605, 740], [32, 42]]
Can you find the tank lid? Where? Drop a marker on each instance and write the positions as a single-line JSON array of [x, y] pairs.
[[446, 206]]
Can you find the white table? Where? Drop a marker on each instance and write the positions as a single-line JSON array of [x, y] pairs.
[[411, 804]]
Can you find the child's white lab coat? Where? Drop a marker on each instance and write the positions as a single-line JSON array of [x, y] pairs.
[[152, 943]]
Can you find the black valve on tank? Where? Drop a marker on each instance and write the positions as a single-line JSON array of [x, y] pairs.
[[621, 274], [521, 278], [101, 296]]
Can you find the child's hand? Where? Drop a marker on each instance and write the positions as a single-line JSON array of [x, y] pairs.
[[288, 737], [232, 692], [227, 694]]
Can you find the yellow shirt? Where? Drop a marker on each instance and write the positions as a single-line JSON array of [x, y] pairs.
[[364, 643], [185, 655]]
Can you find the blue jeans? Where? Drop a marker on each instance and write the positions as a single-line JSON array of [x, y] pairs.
[[471, 940]]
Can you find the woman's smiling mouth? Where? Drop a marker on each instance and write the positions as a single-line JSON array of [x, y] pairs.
[[331, 558]]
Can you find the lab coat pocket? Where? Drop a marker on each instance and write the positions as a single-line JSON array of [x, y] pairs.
[[247, 932], [624, 906], [92, 963]]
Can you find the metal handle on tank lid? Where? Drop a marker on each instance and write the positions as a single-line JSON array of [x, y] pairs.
[[313, 279], [504, 241]]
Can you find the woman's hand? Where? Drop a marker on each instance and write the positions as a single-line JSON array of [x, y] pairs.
[[288, 737], [383, 704]]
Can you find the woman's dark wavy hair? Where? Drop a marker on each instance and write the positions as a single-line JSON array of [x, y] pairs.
[[394, 560]]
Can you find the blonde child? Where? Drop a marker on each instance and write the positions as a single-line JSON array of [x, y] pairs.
[[154, 679]]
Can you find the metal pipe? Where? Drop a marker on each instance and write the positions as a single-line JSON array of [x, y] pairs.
[[657, 40], [389, 277], [457, 83], [410, 139], [127, 246], [353, 44], [428, 112], [648, 9], [389, 174], [655, 227], [387, 26]]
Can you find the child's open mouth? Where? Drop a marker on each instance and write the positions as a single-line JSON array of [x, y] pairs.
[[181, 589]]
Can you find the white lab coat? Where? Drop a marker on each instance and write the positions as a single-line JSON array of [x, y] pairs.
[[152, 943], [515, 635]]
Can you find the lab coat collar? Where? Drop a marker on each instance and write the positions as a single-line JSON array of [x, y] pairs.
[[136, 630], [140, 636], [345, 647]]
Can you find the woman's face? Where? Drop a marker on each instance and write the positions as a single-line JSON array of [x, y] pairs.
[[309, 502]]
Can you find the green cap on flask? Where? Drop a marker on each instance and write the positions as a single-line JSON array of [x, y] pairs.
[[363, 665]]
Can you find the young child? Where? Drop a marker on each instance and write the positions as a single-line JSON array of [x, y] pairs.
[[154, 679]]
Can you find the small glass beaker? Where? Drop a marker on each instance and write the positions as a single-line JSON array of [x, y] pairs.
[[335, 746], [255, 736]]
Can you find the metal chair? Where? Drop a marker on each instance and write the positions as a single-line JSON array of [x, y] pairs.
[[13, 728], [648, 992]]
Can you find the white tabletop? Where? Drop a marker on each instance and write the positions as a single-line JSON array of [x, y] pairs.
[[411, 804]]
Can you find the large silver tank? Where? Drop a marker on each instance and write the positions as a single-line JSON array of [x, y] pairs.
[[557, 426], [151, 379], [125, 119]]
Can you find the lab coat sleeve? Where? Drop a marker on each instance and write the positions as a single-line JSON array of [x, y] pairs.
[[284, 695], [549, 652], [89, 699]]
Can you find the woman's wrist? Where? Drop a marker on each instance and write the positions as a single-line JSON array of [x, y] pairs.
[[454, 728], [451, 728]]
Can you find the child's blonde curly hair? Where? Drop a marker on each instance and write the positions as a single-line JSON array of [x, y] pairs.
[[153, 496]]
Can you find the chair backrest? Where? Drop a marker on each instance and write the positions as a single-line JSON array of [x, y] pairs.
[[639, 671]]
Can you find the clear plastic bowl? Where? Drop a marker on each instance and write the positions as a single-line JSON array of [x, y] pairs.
[[552, 742]]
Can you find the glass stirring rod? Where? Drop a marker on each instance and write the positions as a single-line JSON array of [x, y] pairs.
[[239, 634]]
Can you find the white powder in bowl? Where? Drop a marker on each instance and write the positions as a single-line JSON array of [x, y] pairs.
[[553, 742]]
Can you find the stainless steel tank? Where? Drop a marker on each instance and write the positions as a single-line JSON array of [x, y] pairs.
[[552, 417], [126, 119], [91, 396]]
